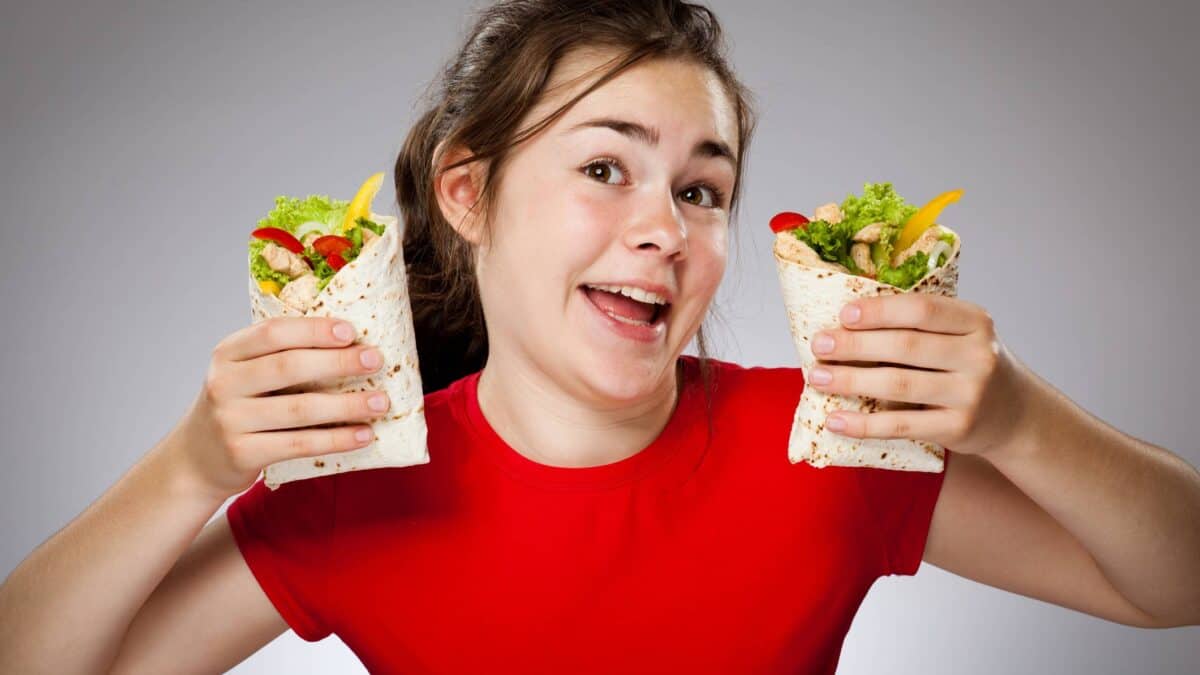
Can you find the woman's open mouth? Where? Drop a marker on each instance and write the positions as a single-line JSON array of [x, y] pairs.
[[642, 320]]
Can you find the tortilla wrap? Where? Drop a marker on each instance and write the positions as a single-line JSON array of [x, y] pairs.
[[371, 292], [814, 297]]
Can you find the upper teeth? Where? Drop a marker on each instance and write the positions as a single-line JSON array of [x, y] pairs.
[[632, 292]]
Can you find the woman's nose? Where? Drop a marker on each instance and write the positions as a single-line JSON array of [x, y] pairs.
[[658, 225]]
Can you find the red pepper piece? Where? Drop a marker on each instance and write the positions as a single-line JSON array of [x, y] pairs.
[[335, 261], [281, 237], [331, 244], [788, 220]]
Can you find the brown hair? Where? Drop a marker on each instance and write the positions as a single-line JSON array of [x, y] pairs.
[[483, 94]]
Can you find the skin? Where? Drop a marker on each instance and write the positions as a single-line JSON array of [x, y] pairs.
[[558, 386], [1042, 498]]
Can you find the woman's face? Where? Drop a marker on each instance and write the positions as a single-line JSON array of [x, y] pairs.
[[628, 188]]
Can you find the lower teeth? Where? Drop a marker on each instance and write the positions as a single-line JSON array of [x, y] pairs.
[[631, 322]]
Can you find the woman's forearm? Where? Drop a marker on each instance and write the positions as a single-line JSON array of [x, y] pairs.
[[67, 606], [1133, 505]]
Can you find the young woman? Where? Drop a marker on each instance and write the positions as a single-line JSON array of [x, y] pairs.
[[595, 502]]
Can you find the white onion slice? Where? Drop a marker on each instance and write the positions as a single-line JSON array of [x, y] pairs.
[[311, 226], [938, 249]]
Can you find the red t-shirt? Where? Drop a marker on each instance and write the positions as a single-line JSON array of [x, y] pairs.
[[691, 556]]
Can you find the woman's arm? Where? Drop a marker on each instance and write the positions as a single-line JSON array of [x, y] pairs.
[[1046, 499], [78, 603], [1133, 508]]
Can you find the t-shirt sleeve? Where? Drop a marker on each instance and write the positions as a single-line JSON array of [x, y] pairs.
[[286, 538], [900, 504]]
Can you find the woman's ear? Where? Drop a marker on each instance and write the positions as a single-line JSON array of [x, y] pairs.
[[458, 193]]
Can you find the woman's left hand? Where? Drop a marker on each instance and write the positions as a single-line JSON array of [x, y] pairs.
[[974, 392]]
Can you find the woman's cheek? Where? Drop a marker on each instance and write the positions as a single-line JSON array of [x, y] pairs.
[[590, 214]]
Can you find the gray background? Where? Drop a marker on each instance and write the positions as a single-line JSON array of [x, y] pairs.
[[140, 140]]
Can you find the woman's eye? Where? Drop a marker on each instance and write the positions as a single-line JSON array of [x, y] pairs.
[[698, 192], [603, 170]]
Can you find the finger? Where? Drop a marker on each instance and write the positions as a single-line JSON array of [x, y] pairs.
[[296, 366], [922, 311], [268, 447], [267, 413], [284, 332], [935, 425], [890, 384], [904, 346]]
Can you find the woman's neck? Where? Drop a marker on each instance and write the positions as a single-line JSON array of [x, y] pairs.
[[549, 426]]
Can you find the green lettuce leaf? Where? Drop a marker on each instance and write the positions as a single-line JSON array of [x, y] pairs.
[[878, 203], [289, 212], [370, 225], [831, 241], [908, 273]]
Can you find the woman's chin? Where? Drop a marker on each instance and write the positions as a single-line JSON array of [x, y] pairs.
[[624, 381]]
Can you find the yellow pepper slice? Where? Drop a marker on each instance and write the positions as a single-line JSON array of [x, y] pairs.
[[269, 286], [924, 217], [360, 206]]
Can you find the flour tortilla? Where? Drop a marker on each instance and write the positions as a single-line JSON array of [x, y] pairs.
[[371, 292], [814, 297]]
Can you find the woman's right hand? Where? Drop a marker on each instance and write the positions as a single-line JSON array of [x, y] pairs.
[[237, 426]]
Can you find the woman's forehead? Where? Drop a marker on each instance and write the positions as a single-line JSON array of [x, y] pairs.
[[659, 92]]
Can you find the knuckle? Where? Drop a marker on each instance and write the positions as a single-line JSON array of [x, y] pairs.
[[282, 365], [356, 406], [961, 426], [219, 351], [910, 343], [927, 309], [299, 408], [223, 417], [334, 439], [900, 428], [214, 386], [298, 443], [268, 332], [844, 342], [978, 396], [239, 449], [900, 385], [987, 358]]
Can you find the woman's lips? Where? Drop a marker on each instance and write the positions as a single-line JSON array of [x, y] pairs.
[[634, 330]]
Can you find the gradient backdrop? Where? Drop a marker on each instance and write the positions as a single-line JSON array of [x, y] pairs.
[[141, 141]]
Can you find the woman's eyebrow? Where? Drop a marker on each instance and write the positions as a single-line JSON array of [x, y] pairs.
[[650, 136]]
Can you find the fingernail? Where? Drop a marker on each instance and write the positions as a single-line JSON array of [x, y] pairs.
[[362, 435], [823, 343], [820, 376], [377, 402], [851, 314], [343, 331], [835, 424], [369, 358]]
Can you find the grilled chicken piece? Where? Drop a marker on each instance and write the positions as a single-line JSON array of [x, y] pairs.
[[925, 242], [282, 260], [790, 248], [830, 213], [301, 292], [860, 253], [869, 234]]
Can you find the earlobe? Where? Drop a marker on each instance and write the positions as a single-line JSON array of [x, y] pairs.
[[458, 189]]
